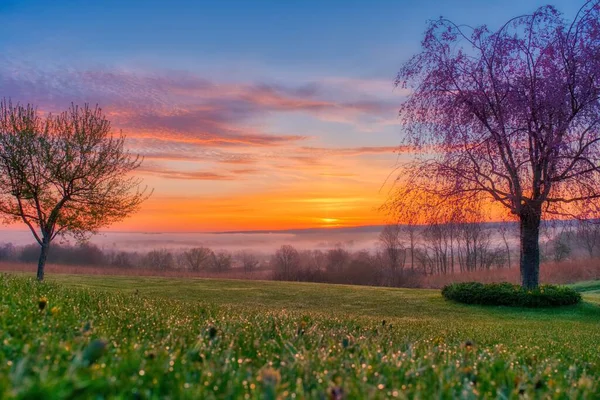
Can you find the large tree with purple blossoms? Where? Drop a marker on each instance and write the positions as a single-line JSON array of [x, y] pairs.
[[512, 115]]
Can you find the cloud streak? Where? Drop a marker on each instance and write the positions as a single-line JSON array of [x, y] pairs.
[[233, 144], [181, 107]]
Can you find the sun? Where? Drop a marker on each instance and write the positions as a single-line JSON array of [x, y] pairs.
[[330, 221]]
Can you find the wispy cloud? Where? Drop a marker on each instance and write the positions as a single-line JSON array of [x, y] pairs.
[[186, 175], [256, 139], [179, 106], [355, 151]]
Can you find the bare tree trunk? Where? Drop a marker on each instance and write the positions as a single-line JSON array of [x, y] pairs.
[[412, 249], [503, 232], [530, 247], [42, 259]]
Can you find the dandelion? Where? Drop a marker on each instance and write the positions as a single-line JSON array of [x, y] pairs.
[[42, 303], [301, 328], [269, 376], [54, 310]]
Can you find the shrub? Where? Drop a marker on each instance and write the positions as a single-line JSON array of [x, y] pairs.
[[507, 294]]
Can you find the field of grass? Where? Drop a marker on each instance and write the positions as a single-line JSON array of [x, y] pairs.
[[142, 337], [591, 289]]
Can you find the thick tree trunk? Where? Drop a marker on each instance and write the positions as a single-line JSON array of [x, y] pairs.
[[530, 247], [42, 259]]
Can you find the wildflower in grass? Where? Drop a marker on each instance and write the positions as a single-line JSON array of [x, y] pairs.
[[54, 310], [269, 376], [301, 328], [42, 303], [585, 382]]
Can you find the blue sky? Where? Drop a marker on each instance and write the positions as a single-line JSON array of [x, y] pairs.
[[250, 114], [357, 38]]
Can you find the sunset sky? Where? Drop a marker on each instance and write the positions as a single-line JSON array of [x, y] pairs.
[[250, 114]]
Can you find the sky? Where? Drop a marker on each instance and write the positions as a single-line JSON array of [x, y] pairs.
[[250, 115]]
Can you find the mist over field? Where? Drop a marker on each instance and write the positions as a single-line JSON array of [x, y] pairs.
[[364, 238], [351, 239]]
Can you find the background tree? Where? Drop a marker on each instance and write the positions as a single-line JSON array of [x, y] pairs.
[[394, 253], [505, 232], [64, 174], [337, 260], [248, 260], [220, 261], [286, 262], [196, 259], [161, 259], [513, 115], [588, 236]]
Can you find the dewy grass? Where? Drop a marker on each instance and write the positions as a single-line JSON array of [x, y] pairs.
[[382, 343]]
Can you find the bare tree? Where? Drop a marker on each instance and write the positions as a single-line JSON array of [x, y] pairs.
[[196, 259], [121, 259], [588, 236], [160, 259], [364, 269], [512, 114], [390, 240], [424, 260], [473, 244], [249, 260], [473, 237], [286, 262], [504, 232], [439, 239], [313, 260], [220, 261], [337, 260], [411, 230], [64, 174]]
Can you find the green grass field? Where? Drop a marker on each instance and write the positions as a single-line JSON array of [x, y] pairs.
[[130, 337]]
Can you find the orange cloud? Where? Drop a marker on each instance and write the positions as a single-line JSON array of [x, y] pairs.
[[232, 155]]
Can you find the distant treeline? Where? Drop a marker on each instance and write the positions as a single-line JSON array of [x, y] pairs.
[[403, 255]]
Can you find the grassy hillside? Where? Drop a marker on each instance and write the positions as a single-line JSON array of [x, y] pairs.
[[336, 299], [155, 337], [590, 289]]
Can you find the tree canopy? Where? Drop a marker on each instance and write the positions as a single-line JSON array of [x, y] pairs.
[[64, 173], [512, 115]]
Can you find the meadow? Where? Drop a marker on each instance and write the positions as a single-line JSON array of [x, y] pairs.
[[159, 337]]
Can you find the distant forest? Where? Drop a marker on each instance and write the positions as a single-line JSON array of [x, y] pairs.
[[403, 256]]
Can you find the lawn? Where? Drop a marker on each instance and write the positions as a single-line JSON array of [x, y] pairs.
[[142, 337]]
